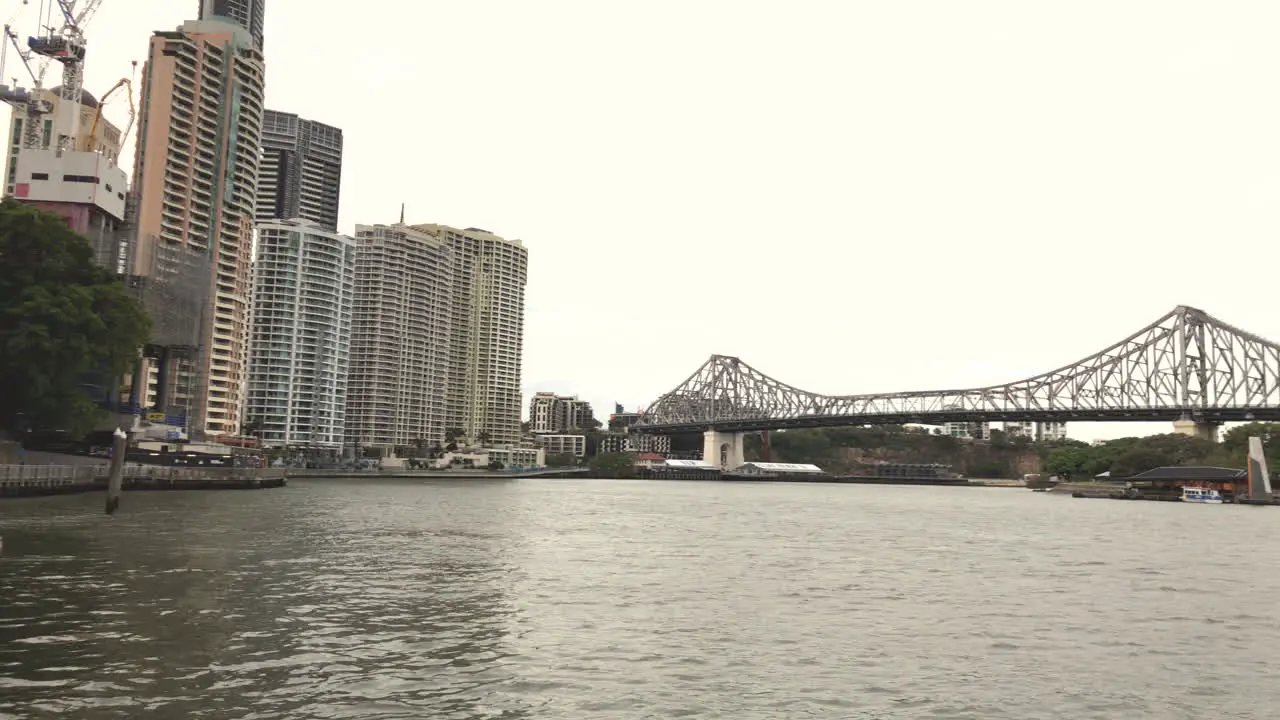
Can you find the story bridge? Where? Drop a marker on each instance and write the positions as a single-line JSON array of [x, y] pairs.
[[1187, 367]]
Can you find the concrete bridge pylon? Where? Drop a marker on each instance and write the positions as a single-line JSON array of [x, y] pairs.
[[1195, 428], [724, 449]]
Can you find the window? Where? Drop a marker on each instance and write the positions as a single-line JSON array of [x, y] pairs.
[[39, 176], [48, 132], [80, 179]]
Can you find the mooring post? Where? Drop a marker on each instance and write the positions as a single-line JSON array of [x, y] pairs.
[[116, 479]]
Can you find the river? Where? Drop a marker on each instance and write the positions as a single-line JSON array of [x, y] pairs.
[[567, 599]]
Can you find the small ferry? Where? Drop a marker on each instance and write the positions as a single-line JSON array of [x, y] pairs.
[[1201, 495]]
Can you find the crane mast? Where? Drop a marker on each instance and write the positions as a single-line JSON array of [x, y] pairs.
[[67, 46]]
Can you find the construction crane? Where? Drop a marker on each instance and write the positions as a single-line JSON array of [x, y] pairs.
[[31, 100], [67, 46], [91, 140]]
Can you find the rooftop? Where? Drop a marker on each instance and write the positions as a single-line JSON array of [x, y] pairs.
[[86, 98], [784, 467], [1190, 473], [698, 464]]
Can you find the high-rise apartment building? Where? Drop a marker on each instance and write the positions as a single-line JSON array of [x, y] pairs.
[[552, 413], [248, 14], [303, 291], [195, 177], [400, 339], [482, 396], [301, 172]]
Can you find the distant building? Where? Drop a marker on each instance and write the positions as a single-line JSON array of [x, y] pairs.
[[301, 171], [399, 339], [300, 335], [968, 430], [634, 442], [620, 420], [1038, 431], [551, 413], [248, 14], [1051, 431], [575, 445], [486, 333]]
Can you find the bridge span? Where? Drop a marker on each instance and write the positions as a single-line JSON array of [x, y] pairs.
[[1187, 367]]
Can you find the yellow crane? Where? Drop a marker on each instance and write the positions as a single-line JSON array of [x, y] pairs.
[[91, 140]]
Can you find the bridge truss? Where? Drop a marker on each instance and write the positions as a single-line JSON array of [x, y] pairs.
[[1186, 365]]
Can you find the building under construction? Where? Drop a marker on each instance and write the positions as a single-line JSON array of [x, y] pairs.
[[173, 285]]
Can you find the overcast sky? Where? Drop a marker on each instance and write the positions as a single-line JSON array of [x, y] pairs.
[[850, 196]]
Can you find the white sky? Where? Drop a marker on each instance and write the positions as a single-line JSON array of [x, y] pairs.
[[852, 196]]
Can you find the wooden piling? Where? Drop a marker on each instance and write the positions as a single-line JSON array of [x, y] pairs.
[[115, 481]]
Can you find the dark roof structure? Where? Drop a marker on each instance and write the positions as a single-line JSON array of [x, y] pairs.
[[1191, 473], [86, 98]]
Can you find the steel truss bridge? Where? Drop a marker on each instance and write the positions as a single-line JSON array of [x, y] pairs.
[[1188, 365]]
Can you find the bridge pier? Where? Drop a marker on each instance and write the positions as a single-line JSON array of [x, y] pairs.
[[723, 449], [1205, 430]]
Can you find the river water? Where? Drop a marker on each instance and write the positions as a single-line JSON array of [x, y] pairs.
[[628, 599]]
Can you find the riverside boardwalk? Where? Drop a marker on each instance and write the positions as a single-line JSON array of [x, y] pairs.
[[34, 480]]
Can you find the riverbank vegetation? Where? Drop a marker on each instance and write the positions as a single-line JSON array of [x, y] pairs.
[[1129, 456], [63, 320], [840, 450]]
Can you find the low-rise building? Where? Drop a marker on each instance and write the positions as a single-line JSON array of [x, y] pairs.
[[518, 457], [766, 469], [698, 464], [575, 445], [649, 460]]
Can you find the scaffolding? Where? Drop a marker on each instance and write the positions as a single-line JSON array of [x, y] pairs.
[[174, 285]]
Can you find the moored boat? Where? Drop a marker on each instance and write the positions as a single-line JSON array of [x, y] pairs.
[[1201, 495]]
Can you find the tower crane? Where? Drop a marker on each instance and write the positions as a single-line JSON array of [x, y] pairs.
[[67, 46], [91, 140], [31, 100]]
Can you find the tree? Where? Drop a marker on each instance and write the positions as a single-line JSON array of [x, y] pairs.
[[561, 460], [496, 466], [483, 437], [1068, 461], [613, 465], [253, 428], [62, 318]]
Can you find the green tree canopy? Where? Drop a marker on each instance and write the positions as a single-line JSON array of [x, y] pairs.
[[613, 465], [561, 460], [62, 317]]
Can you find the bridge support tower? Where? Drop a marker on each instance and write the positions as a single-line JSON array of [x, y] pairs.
[[723, 449], [1194, 428]]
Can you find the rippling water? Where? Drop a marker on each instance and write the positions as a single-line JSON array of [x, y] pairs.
[[577, 600]]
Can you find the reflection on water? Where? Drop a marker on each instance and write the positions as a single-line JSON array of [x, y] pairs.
[[568, 599], [337, 601]]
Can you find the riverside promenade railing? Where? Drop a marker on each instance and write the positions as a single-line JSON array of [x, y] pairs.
[[53, 479]]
